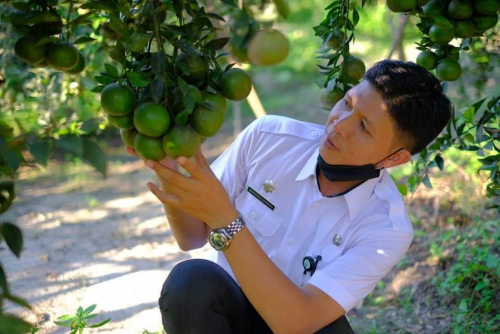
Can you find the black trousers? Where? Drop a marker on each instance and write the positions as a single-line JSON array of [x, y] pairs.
[[199, 297]]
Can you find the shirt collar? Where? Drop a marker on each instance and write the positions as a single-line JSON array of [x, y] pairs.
[[356, 198]]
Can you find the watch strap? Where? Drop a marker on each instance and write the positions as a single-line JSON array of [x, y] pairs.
[[235, 226]]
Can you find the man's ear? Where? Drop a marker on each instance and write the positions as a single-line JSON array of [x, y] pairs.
[[396, 159]]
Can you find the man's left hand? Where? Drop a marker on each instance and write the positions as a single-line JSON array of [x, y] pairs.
[[201, 194]]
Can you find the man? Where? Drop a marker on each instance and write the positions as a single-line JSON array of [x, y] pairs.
[[310, 218]]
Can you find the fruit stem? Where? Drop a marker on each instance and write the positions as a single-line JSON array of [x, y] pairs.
[[159, 41], [67, 22]]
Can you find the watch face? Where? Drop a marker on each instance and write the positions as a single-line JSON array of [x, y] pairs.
[[218, 240]]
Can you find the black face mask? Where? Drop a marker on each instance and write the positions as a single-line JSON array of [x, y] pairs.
[[350, 173]]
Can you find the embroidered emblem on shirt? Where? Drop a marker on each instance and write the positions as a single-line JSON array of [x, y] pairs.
[[337, 240], [261, 198], [269, 186]]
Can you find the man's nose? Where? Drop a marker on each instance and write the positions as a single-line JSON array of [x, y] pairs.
[[342, 124]]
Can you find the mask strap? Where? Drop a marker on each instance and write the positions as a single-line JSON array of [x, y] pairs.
[[402, 148]]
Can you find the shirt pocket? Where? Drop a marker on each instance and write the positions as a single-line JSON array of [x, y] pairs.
[[258, 217]]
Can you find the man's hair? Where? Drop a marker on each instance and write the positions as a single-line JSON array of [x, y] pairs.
[[415, 100]]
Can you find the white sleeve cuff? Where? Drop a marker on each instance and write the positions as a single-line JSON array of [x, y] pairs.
[[328, 285]]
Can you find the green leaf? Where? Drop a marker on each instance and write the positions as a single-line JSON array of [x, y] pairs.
[[112, 71], [125, 8], [47, 40], [40, 149], [427, 181], [216, 16], [355, 17], [439, 161], [3, 280], [403, 189], [17, 300], [157, 91], [100, 324], [95, 155], [230, 3], [80, 19], [107, 6], [83, 40], [182, 118], [217, 44], [463, 305], [7, 195], [71, 143], [159, 64], [104, 80], [283, 8], [13, 325], [137, 42], [13, 237], [138, 79], [89, 310], [183, 86], [79, 312], [98, 89]]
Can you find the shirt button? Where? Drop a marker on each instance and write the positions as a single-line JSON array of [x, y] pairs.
[[291, 242], [253, 215], [314, 133], [316, 205]]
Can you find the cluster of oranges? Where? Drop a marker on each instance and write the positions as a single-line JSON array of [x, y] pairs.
[[450, 19], [39, 49], [151, 129]]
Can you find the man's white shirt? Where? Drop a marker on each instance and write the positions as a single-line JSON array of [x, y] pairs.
[[370, 224]]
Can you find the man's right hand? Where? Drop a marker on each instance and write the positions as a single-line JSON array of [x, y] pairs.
[[167, 162]]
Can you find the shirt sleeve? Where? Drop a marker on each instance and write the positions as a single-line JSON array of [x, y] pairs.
[[353, 275], [231, 166]]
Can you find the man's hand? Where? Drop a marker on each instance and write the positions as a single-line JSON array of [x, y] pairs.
[[200, 195]]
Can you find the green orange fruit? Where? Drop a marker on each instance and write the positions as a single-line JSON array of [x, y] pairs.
[[484, 22], [486, 7], [239, 52], [151, 119], [441, 35], [149, 147], [62, 56], [460, 9], [354, 69], [207, 121], [80, 66], [464, 28], [433, 8], [191, 68], [117, 99], [236, 84], [268, 47], [427, 59], [336, 40], [128, 136], [448, 70], [181, 141], [329, 98], [26, 49], [124, 122]]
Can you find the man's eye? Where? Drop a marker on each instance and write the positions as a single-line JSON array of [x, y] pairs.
[[363, 126]]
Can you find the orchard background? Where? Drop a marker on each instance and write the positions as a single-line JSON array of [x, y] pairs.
[[79, 226]]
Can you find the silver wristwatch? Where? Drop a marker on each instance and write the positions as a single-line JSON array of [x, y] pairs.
[[220, 238]]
